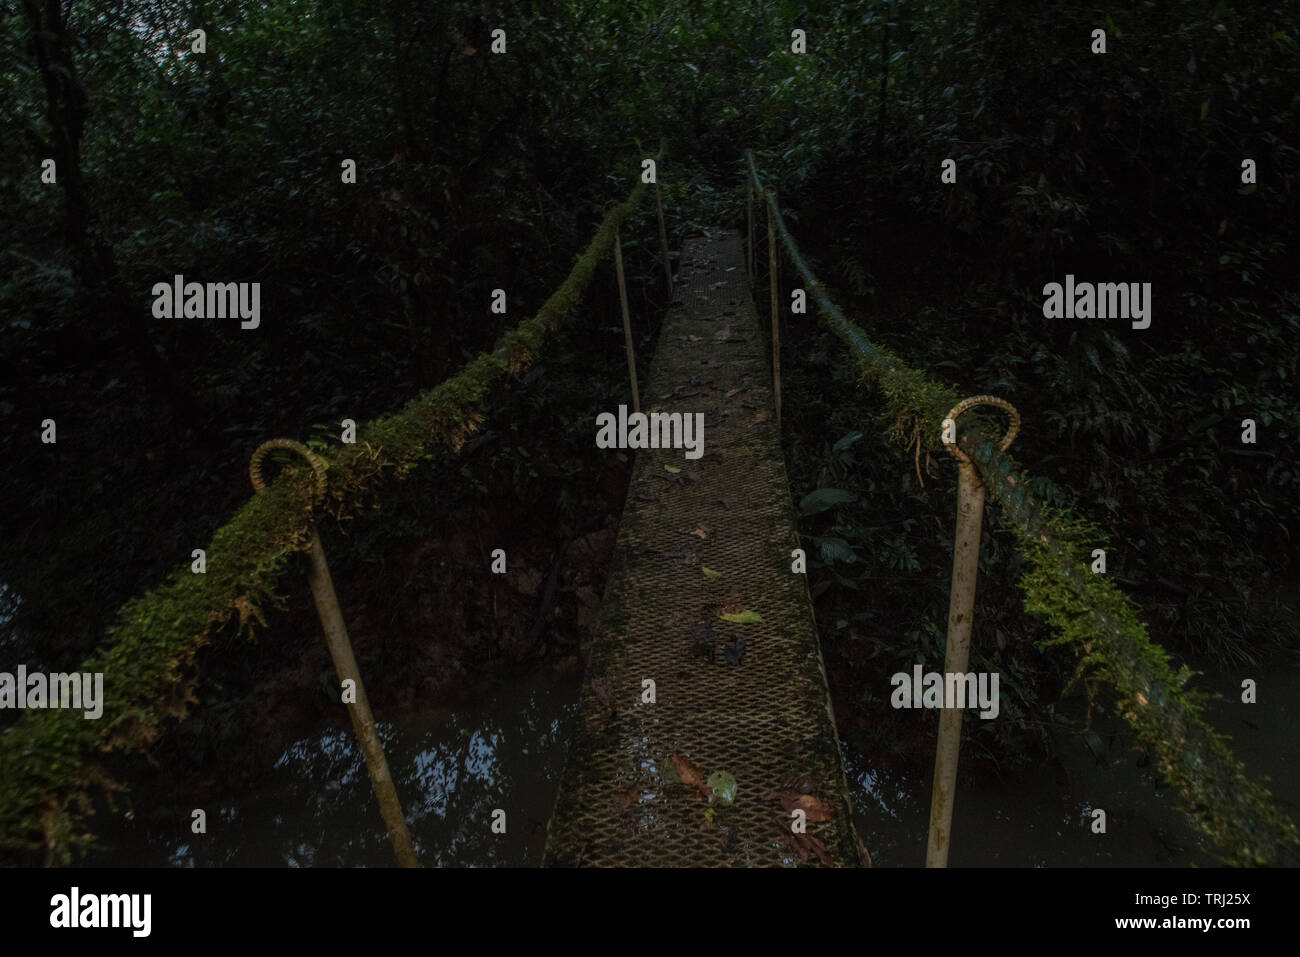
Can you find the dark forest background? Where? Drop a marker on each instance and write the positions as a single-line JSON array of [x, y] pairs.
[[478, 171]]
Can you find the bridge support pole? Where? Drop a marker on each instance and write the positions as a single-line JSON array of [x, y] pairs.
[[776, 326], [961, 608], [961, 613], [749, 225], [663, 241], [627, 322], [345, 662]]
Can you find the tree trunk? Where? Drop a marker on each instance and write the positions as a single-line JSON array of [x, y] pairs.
[[104, 298]]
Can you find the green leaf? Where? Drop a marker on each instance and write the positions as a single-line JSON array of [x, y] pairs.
[[837, 550], [745, 617], [709, 572], [671, 468], [1205, 109], [724, 787], [669, 773], [823, 498], [845, 442], [1093, 740]]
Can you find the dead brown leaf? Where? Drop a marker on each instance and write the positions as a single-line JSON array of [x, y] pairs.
[[814, 808], [762, 416], [817, 847], [700, 533], [600, 687], [625, 798], [799, 784], [804, 844], [688, 771]]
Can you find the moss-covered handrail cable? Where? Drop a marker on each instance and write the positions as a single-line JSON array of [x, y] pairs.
[[49, 760], [1238, 813]]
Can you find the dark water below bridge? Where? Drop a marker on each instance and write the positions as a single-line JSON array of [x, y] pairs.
[[314, 807]]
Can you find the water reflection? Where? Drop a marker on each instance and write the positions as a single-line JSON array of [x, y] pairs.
[[1042, 817], [315, 807]]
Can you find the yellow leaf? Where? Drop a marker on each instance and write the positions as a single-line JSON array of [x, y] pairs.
[[743, 618]]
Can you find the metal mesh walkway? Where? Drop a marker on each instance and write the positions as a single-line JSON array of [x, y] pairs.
[[746, 698]]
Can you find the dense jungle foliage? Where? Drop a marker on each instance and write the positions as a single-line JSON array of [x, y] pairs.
[[479, 171]]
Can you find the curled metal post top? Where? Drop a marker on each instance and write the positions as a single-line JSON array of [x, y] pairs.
[[315, 461], [1012, 430]]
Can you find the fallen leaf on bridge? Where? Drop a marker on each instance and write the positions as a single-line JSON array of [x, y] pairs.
[[600, 688], [815, 810], [723, 787], [709, 572], [799, 785], [700, 533], [804, 844], [689, 772], [745, 617], [625, 798]]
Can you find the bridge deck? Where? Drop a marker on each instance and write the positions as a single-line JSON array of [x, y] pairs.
[[766, 720]]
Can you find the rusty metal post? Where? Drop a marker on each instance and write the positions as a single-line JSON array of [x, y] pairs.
[[345, 662], [627, 322], [663, 240], [776, 326], [961, 610]]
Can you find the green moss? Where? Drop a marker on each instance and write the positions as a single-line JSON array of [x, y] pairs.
[[48, 766]]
